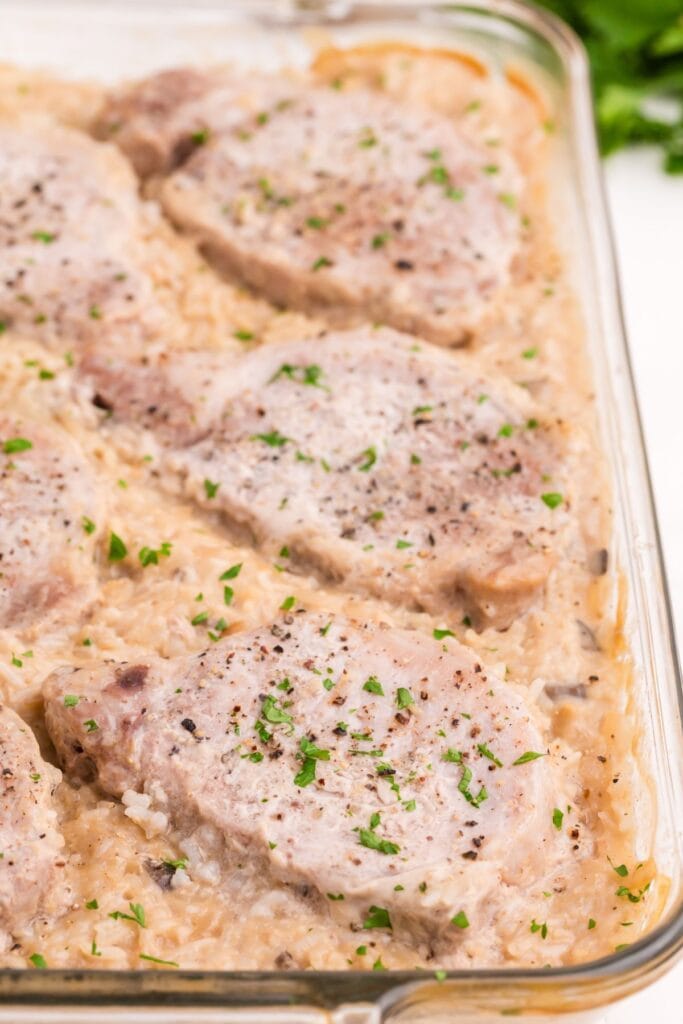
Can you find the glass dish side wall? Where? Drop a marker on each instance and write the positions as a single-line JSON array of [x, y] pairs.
[[114, 40]]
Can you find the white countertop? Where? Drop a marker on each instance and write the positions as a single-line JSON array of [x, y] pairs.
[[647, 218]]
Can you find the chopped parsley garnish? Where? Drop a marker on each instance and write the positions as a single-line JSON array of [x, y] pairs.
[[591, 923], [274, 439], [117, 549], [322, 261], [440, 974], [317, 223], [16, 444], [91, 725], [558, 817], [242, 334], [630, 895], [369, 457], [328, 684], [274, 714], [464, 788], [43, 236], [87, 524], [361, 950], [211, 488], [46, 375], [137, 915], [199, 618], [158, 960], [529, 755], [369, 139], [402, 544], [415, 460], [379, 241], [71, 700], [231, 573], [552, 499], [404, 698], [378, 917], [368, 838], [228, 594], [288, 603], [485, 752], [150, 556], [542, 928], [92, 905], [506, 430], [95, 313], [373, 685], [38, 960], [310, 754], [440, 634], [460, 920], [452, 755], [529, 353], [335, 896], [620, 869]]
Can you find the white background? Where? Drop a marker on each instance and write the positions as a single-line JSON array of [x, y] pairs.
[[647, 219]]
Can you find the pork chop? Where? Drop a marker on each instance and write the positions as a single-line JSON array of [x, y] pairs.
[[392, 467], [395, 777], [70, 223], [352, 203], [48, 511], [30, 843]]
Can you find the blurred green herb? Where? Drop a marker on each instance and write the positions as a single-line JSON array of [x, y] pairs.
[[636, 54]]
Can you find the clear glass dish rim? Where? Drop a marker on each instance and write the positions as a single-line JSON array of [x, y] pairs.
[[589, 984]]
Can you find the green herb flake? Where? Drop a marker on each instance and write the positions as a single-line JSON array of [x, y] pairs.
[[460, 920], [137, 915], [373, 685], [529, 755], [485, 752], [369, 457], [38, 960], [404, 698], [91, 725], [558, 817], [552, 499], [274, 439], [377, 917], [117, 549], [231, 573], [71, 700], [211, 488], [158, 960], [16, 444], [92, 905]]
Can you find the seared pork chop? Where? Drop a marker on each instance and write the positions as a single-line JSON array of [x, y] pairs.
[[70, 223], [392, 467], [393, 775], [48, 508], [29, 841], [352, 203]]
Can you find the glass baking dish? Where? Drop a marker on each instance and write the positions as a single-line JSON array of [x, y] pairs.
[[113, 40]]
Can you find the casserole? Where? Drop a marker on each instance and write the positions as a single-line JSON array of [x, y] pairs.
[[119, 40]]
